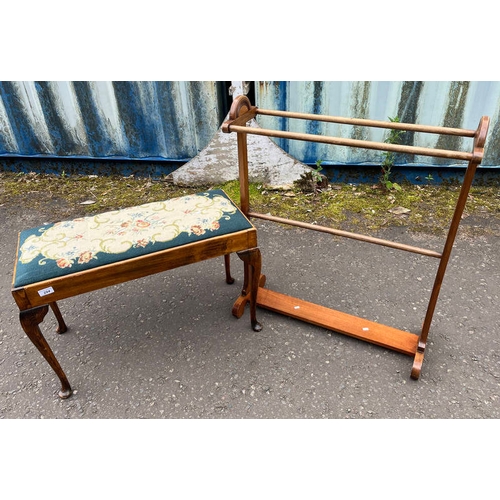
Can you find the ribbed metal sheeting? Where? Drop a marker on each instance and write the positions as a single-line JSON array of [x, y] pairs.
[[132, 120], [451, 104]]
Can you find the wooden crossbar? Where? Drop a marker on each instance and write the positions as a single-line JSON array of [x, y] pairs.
[[413, 127], [347, 234], [331, 319], [357, 143]]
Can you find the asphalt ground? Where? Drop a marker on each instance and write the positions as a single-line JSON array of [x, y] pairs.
[[167, 347]]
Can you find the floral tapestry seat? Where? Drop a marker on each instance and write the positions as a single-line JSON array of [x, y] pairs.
[[68, 258], [84, 243]]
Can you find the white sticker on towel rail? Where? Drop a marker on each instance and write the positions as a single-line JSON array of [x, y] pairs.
[[45, 291]]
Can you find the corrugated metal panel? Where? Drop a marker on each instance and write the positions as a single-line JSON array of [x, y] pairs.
[[452, 104], [132, 120], [175, 120]]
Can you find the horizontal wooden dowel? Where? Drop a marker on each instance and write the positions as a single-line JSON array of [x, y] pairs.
[[370, 123], [355, 143], [347, 234]]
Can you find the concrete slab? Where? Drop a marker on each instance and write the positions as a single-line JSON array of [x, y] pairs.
[[218, 163]]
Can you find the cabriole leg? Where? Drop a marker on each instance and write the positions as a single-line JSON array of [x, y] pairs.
[[227, 265], [62, 328], [30, 319], [253, 263]]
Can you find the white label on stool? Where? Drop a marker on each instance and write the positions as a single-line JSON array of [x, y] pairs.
[[45, 291]]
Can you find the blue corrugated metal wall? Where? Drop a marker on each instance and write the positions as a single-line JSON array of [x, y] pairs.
[[452, 104], [132, 120], [173, 121]]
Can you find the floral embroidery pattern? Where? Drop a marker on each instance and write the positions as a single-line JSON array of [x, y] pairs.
[[80, 240]]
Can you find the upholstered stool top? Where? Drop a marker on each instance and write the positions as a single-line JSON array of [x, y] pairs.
[[84, 243]]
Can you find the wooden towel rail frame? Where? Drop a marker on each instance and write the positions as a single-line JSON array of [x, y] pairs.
[[242, 111]]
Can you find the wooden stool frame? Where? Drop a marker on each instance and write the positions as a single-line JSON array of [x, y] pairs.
[[399, 340], [34, 305]]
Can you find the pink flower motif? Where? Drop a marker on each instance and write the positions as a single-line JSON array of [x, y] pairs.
[[141, 243], [142, 223], [85, 257], [64, 263], [198, 230], [214, 226]]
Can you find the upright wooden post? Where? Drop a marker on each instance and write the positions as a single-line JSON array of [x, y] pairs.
[[479, 140], [241, 112], [241, 107], [243, 173]]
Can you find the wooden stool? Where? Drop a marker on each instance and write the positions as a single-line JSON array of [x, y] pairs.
[[72, 257]]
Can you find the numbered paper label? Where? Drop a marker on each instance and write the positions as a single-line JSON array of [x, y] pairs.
[[46, 291]]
